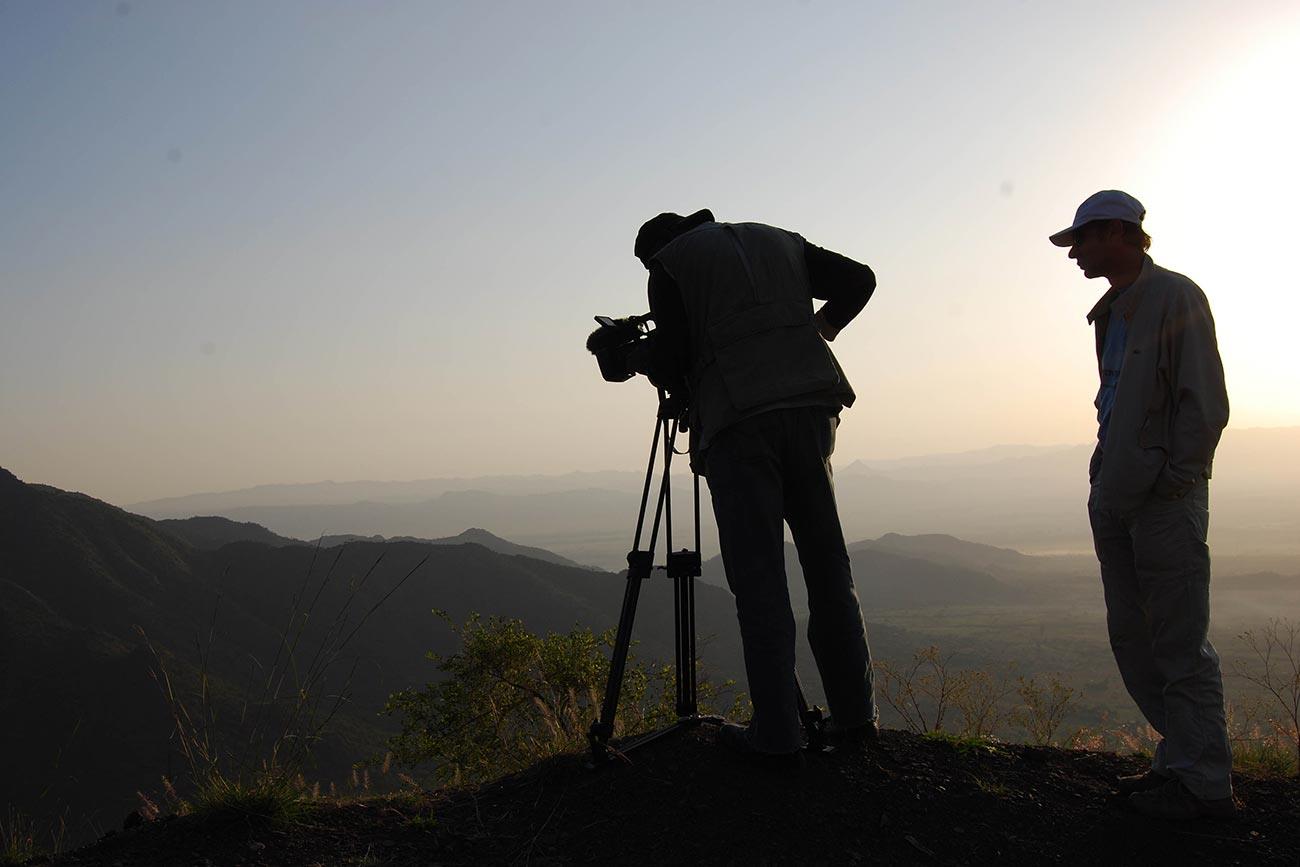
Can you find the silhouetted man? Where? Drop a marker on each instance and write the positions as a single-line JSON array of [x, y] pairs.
[[1160, 410], [733, 306]]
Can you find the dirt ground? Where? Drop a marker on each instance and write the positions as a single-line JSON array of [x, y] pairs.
[[682, 799]]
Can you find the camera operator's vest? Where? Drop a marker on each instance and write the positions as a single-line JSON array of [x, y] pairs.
[[754, 344]]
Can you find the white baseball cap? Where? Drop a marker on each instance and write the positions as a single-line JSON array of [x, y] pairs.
[[1105, 205]]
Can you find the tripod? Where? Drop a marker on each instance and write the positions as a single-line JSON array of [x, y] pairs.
[[683, 567]]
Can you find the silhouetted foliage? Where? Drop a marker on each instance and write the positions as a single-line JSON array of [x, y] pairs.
[[1274, 667], [510, 698], [926, 692], [922, 692], [1043, 708]]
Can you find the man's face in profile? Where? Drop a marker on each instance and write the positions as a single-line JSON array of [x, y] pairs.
[[1092, 248]]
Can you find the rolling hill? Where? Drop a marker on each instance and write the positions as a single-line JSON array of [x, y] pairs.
[[78, 576], [213, 532]]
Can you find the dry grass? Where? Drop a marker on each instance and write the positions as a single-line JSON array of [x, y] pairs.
[[255, 766]]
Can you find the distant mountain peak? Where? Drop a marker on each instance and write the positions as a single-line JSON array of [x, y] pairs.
[[893, 537], [475, 533]]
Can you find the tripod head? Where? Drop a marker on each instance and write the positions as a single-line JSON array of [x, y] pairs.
[[674, 407]]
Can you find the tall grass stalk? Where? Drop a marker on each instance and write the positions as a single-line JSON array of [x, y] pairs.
[[21, 838], [278, 728]]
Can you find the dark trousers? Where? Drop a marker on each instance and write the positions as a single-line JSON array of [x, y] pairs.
[[1155, 571], [763, 471]]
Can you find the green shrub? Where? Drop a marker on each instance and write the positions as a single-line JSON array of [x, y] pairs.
[[510, 698]]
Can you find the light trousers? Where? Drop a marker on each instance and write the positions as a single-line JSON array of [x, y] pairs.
[[1155, 571]]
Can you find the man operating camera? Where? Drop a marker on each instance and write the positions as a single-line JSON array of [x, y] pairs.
[[736, 333]]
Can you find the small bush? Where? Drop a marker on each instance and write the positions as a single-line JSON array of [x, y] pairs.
[[979, 699], [920, 693], [270, 798], [1043, 708], [1261, 744], [929, 691], [510, 698], [1274, 668]]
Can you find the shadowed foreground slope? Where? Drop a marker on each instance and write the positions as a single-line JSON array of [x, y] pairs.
[[682, 800]]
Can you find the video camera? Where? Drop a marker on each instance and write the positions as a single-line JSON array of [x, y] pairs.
[[621, 346]]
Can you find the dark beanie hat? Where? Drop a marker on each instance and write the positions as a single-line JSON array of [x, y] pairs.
[[657, 232]]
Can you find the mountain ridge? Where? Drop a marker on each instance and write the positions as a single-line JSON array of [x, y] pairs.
[[212, 532]]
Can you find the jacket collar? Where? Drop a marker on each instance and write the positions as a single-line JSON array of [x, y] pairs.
[[1124, 298]]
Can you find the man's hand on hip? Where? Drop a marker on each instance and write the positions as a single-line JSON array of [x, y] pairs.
[[824, 328]]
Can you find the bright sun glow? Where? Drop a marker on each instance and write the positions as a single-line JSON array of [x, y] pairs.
[[1224, 199]]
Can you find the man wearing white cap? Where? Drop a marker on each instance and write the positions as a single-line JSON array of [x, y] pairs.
[[1160, 410]]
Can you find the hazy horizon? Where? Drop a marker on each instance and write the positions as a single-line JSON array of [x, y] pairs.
[[1027, 498], [250, 243], [842, 463]]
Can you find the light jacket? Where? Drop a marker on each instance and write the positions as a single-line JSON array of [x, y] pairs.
[[754, 343], [1171, 404]]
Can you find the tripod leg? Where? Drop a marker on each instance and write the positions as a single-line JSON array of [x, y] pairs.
[[687, 688], [690, 598], [639, 565], [812, 718], [684, 568], [603, 729], [679, 681]]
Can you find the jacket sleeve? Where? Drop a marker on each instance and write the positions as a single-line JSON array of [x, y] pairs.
[[1198, 394], [845, 285]]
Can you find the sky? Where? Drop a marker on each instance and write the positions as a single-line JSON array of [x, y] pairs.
[[266, 242]]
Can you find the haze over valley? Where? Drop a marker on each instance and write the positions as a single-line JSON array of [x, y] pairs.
[[1023, 497]]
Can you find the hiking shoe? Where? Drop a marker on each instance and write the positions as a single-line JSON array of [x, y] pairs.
[[1173, 800], [1143, 782], [853, 739], [735, 738]]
